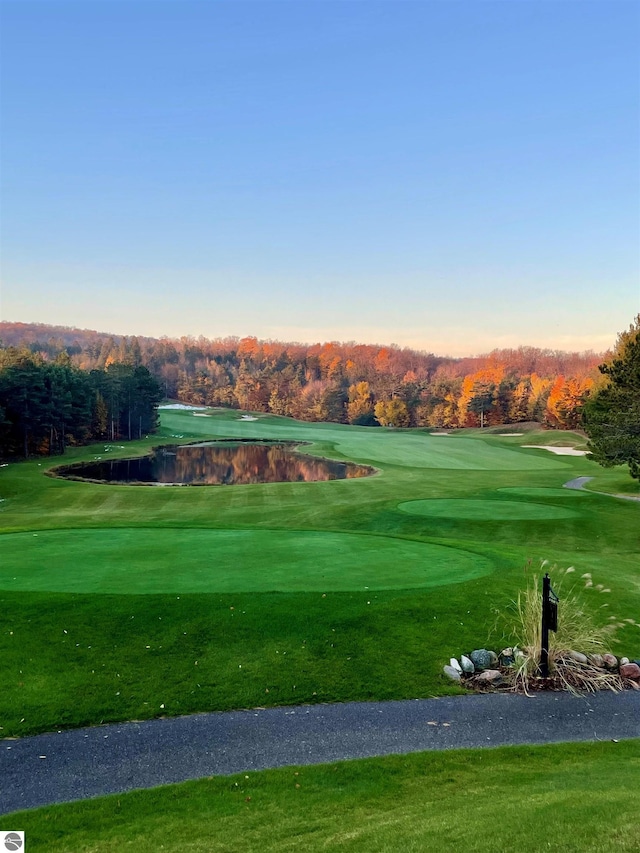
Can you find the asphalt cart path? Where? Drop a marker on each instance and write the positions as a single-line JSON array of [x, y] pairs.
[[579, 483], [82, 763]]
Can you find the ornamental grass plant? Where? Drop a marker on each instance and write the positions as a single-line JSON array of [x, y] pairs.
[[582, 629]]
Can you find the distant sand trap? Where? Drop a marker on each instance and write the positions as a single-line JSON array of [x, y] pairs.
[[182, 406], [439, 433], [247, 418], [512, 433], [201, 415], [560, 451]]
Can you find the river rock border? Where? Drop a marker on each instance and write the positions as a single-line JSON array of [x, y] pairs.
[[484, 669]]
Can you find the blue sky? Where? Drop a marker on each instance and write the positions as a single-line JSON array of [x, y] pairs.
[[453, 176]]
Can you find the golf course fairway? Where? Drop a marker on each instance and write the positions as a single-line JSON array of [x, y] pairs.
[[129, 602]]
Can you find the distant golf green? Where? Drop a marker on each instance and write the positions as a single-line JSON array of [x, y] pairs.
[[125, 602], [134, 560], [485, 509], [525, 492]]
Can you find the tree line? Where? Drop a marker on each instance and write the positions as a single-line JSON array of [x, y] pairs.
[[60, 385], [347, 383], [47, 404]]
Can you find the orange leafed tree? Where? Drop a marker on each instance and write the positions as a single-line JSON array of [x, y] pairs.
[[565, 400], [479, 387]]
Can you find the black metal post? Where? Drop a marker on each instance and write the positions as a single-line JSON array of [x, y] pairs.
[[544, 651]]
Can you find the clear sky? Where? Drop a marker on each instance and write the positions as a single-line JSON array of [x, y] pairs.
[[453, 176]]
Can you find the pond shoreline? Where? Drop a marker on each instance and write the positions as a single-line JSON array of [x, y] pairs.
[[339, 469]]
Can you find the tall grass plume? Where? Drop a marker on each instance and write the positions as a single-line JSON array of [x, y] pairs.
[[580, 632]]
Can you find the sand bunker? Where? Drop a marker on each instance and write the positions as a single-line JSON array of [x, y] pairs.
[[182, 406], [247, 418], [510, 433], [560, 451], [439, 433], [201, 415]]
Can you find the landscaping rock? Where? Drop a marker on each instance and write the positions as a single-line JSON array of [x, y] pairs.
[[623, 661], [490, 676], [493, 659], [596, 660], [506, 657], [578, 657], [481, 658], [629, 670], [467, 665], [610, 661], [454, 663], [451, 673]]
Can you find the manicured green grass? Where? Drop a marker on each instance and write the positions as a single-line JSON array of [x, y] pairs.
[[118, 600], [614, 481], [132, 561], [486, 510], [578, 798]]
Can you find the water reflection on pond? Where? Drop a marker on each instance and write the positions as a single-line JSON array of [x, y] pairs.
[[219, 463]]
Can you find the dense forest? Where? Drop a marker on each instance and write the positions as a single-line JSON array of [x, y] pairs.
[[47, 403], [347, 383]]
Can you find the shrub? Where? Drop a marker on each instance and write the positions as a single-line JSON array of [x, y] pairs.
[[579, 630]]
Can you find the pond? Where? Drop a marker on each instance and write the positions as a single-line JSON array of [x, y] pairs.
[[220, 463]]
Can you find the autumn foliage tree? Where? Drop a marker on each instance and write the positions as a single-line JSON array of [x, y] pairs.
[[360, 405], [392, 413], [331, 381]]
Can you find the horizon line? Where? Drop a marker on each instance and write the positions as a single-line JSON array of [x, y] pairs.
[[343, 343]]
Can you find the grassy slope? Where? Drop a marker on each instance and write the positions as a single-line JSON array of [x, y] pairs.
[[569, 797], [71, 658]]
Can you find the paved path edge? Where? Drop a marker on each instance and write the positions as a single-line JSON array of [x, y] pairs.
[[84, 763]]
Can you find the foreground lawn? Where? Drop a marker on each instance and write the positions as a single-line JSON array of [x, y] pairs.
[[569, 797], [124, 602]]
